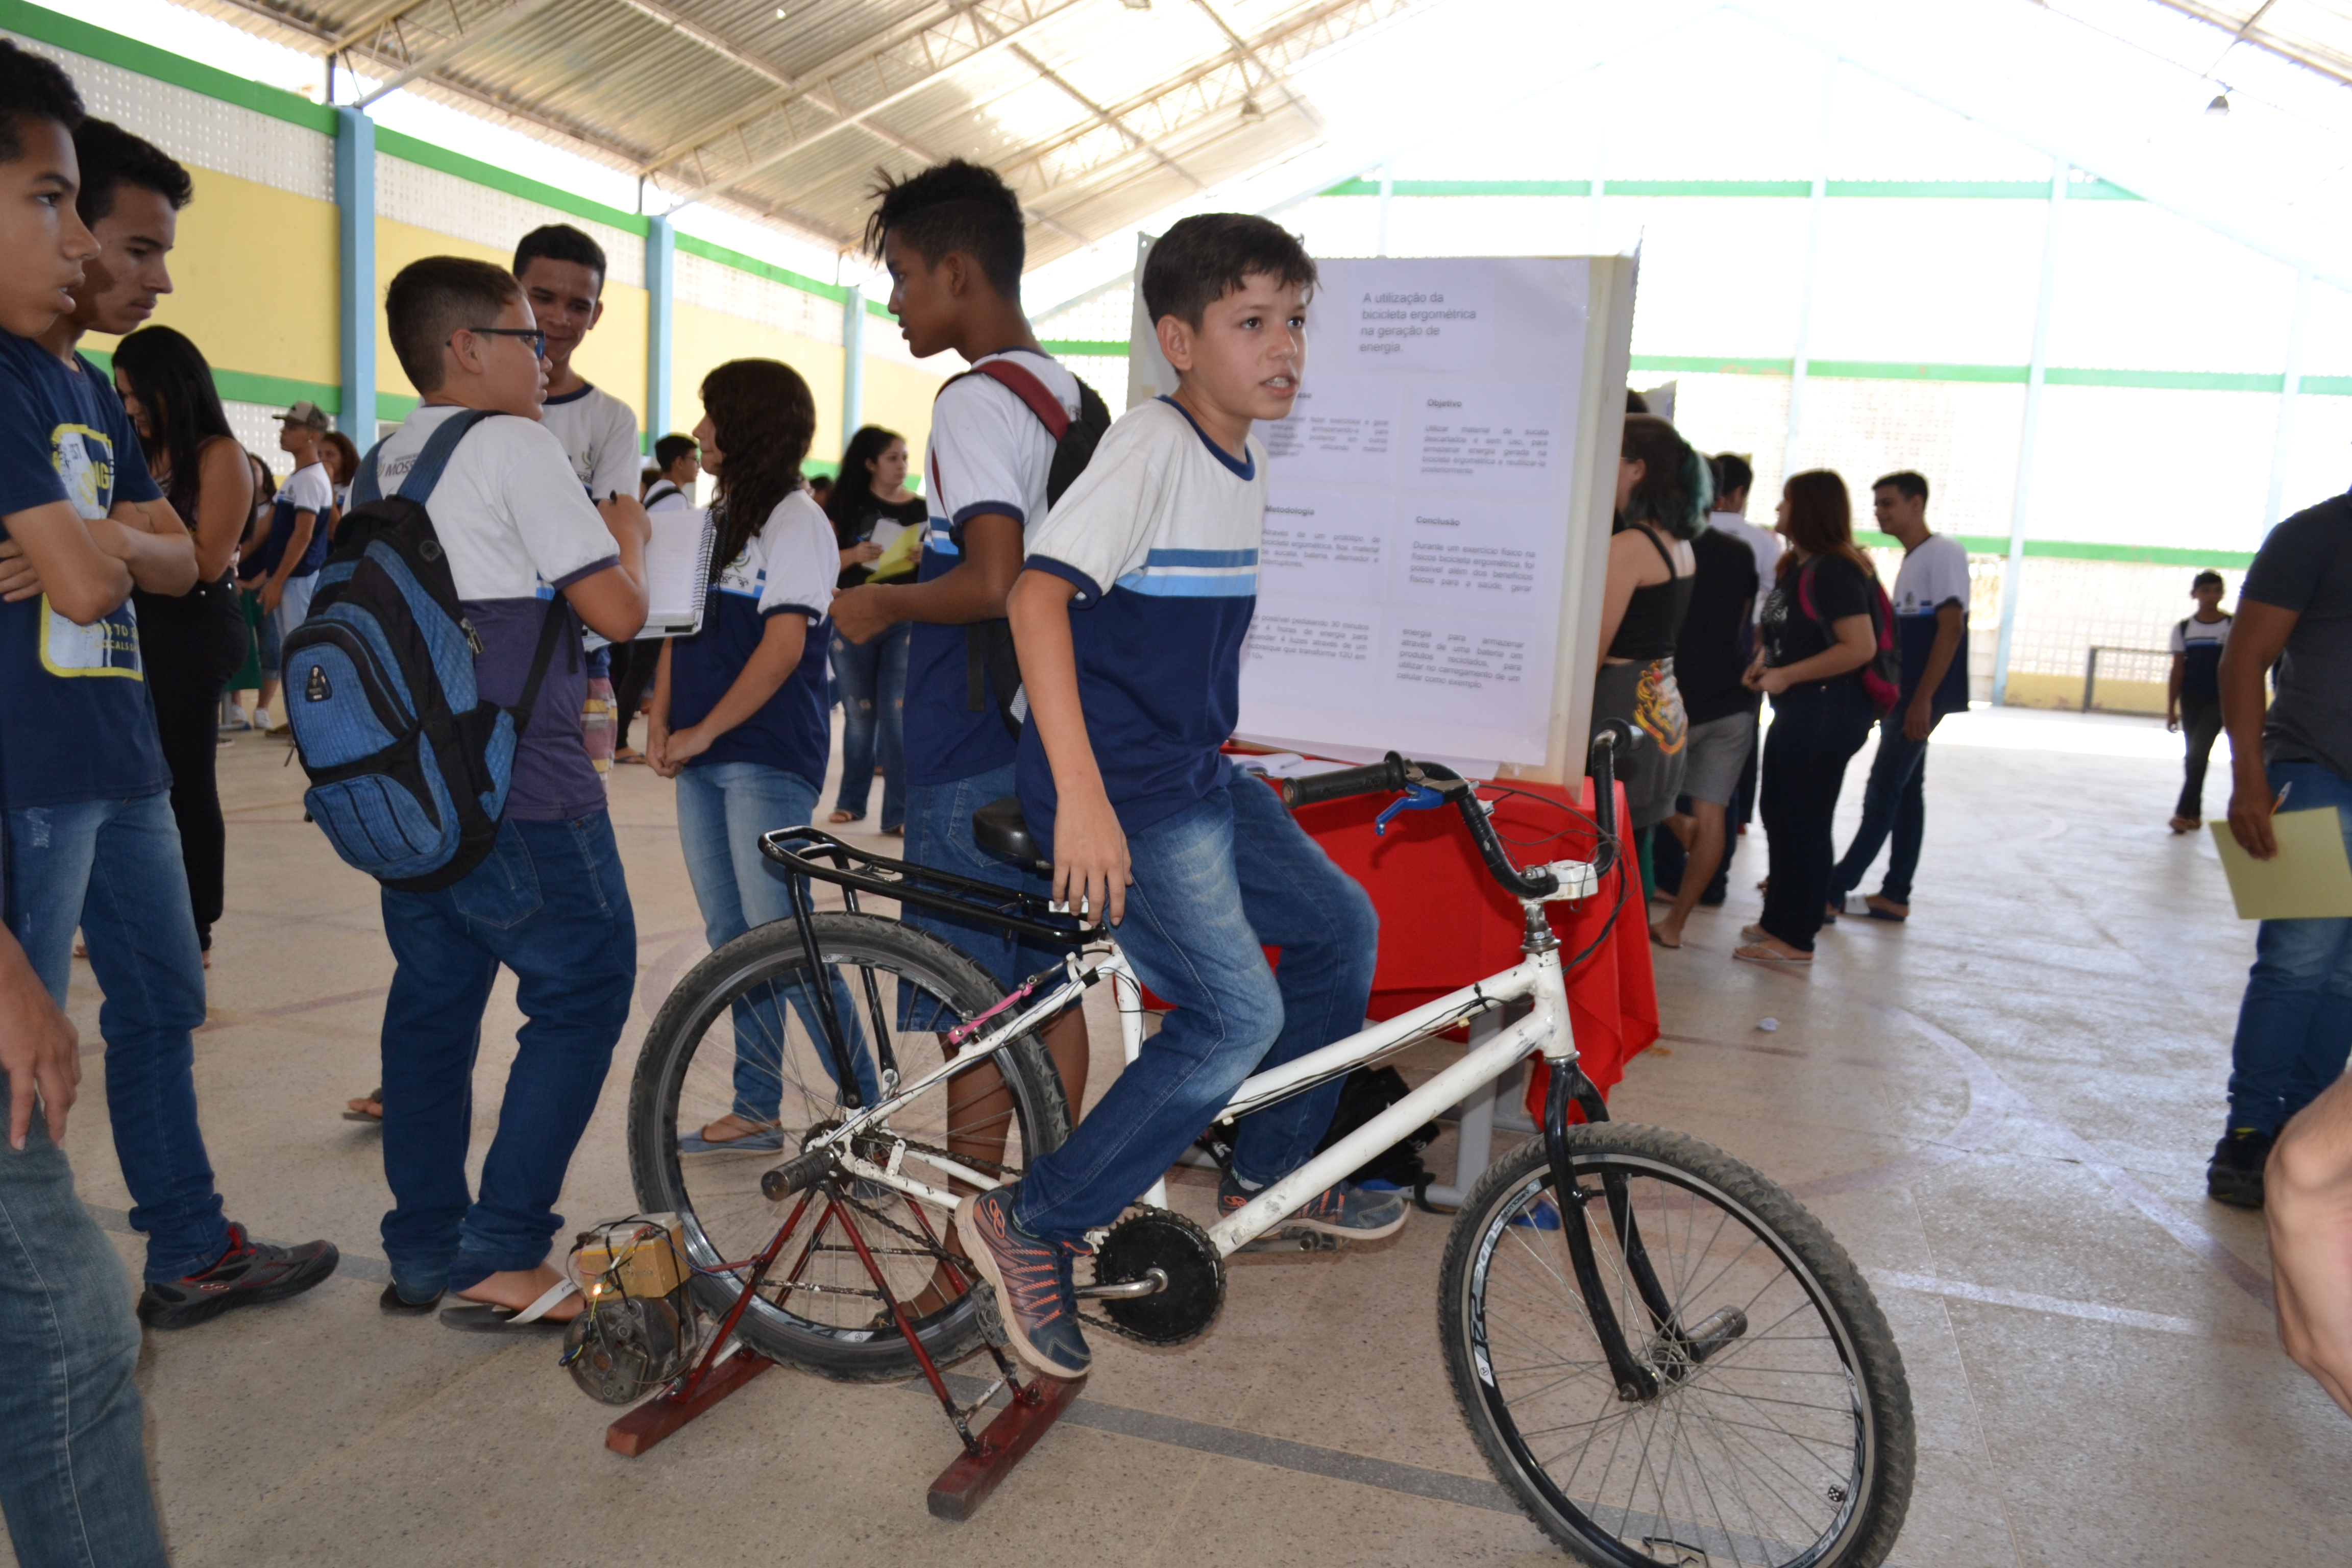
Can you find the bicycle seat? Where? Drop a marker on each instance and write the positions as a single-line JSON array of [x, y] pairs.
[[997, 828]]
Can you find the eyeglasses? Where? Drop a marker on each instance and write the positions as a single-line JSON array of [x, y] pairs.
[[535, 336]]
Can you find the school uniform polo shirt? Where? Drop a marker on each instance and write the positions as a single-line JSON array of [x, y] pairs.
[[519, 530], [1931, 576], [1160, 537], [76, 722], [787, 568], [599, 434], [988, 453]]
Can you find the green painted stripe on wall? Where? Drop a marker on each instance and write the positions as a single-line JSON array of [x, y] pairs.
[[1868, 190], [70, 33], [2173, 380], [1898, 370], [2076, 550], [694, 244], [1706, 364], [1086, 348], [243, 386], [411, 150]]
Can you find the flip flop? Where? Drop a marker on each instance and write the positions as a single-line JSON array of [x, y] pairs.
[[486, 1319], [627, 754], [1874, 912], [1757, 952], [837, 817], [374, 1118], [1662, 941], [770, 1141]]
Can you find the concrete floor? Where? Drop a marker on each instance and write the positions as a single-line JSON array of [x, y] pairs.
[[2001, 1109]]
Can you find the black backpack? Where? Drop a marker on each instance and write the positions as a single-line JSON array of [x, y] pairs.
[[409, 768], [992, 673]]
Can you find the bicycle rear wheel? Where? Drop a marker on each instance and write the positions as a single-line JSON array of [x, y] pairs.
[[1781, 1431], [742, 1033]]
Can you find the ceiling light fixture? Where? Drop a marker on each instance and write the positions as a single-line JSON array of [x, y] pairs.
[[1137, 4], [2220, 106], [780, 13], [1252, 112]]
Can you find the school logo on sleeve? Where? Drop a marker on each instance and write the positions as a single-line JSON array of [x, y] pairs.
[[84, 459], [109, 646]]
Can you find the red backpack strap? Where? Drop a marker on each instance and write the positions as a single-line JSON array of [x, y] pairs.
[[1029, 390]]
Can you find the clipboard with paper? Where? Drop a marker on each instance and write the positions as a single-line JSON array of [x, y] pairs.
[[2310, 877], [677, 571]]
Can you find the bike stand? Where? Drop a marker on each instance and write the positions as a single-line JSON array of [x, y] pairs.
[[963, 1486], [656, 1418]]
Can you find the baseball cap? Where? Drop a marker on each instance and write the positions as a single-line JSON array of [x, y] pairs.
[[305, 413]]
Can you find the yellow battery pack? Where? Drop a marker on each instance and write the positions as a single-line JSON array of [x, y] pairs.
[[638, 1259]]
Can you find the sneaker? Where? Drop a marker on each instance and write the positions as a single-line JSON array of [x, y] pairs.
[[248, 1274], [1033, 1289], [1347, 1211], [260, 720], [2234, 1175]]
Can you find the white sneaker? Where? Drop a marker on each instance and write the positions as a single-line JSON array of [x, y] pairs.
[[261, 719]]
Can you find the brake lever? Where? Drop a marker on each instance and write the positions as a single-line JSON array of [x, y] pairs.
[[1418, 797]]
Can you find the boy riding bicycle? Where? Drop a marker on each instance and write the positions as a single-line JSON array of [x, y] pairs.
[[1123, 786]]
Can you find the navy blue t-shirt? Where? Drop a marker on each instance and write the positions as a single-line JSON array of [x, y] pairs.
[[76, 720], [787, 569]]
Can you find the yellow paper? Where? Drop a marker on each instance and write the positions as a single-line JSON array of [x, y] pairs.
[[2309, 879], [899, 558]]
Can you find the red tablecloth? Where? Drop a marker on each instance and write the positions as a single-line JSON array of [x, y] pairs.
[[1444, 923]]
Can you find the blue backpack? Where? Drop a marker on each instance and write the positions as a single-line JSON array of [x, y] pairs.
[[408, 766]]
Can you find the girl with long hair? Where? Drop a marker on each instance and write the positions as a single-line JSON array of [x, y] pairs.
[[1818, 629], [1663, 492], [193, 643], [740, 716], [871, 507]]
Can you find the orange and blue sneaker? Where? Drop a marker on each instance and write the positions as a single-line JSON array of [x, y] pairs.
[[1034, 1287], [1347, 1211]]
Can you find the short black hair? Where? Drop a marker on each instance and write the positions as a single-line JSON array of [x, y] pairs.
[[670, 448], [1732, 472], [1908, 484], [111, 158], [1205, 257], [1635, 403], [32, 87], [561, 242], [434, 296], [950, 207], [2204, 577]]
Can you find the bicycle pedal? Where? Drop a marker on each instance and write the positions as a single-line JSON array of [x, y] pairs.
[[990, 1315]]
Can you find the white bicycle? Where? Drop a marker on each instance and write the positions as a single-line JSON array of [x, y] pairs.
[[1663, 1356]]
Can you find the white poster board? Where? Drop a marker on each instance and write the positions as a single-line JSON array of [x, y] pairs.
[[1428, 549]]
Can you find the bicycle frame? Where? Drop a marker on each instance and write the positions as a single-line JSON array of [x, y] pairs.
[[1537, 977]]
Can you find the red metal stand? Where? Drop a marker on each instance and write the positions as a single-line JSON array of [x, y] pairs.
[[655, 1419], [963, 1486]]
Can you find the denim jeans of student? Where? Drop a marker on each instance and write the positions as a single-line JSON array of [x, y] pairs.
[[1895, 802], [1214, 885], [2295, 1024], [113, 868], [2200, 726], [722, 809], [939, 835], [73, 1467], [551, 904], [871, 681]]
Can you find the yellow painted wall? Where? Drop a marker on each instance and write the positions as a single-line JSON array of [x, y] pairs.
[[256, 277], [899, 397], [705, 339]]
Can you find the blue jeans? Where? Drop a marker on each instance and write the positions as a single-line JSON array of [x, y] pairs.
[[722, 809], [1895, 801], [73, 1467], [113, 866], [938, 834], [871, 679], [2295, 1023], [1214, 885], [551, 904]]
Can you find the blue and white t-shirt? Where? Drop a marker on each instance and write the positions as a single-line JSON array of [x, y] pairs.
[[1933, 575], [599, 433], [519, 530], [989, 452], [2201, 643], [77, 723], [308, 488], [1160, 535], [786, 569]]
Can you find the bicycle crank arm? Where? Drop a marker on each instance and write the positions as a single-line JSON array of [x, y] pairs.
[[1154, 1282]]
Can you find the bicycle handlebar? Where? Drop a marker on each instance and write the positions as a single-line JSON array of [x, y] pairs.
[[1394, 774]]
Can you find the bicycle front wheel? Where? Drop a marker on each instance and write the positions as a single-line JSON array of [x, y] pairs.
[[741, 1042], [1780, 1430]]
